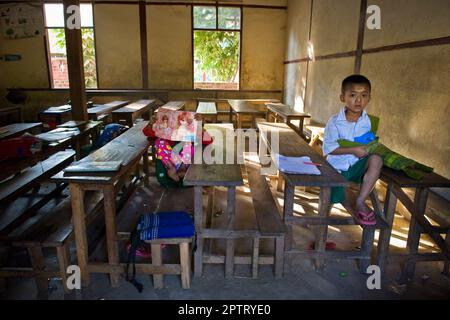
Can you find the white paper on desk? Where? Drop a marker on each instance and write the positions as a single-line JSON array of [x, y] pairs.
[[296, 165]]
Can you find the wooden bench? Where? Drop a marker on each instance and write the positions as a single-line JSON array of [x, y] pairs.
[[291, 144], [174, 105], [17, 129], [10, 115], [419, 224], [128, 149], [268, 218], [100, 112], [276, 111], [157, 268], [55, 115], [14, 187], [208, 111], [131, 112], [245, 111], [49, 229]]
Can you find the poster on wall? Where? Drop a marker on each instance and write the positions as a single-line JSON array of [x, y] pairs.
[[21, 20]]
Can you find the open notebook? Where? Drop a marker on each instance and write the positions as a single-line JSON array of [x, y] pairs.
[[296, 165]]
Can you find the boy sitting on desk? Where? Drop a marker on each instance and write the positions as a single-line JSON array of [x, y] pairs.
[[354, 163]]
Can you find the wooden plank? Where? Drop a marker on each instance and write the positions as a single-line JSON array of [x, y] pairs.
[[267, 215], [430, 180], [17, 129], [110, 222], [13, 188], [158, 280], [198, 219], [321, 232], [213, 175], [185, 265], [255, 258], [127, 148], [174, 105], [385, 234], [79, 223], [95, 112]]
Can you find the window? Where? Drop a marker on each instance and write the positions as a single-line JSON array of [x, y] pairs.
[[217, 37], [57, 54]]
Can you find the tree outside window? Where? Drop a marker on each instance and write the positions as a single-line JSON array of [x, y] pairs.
[[217, 35]]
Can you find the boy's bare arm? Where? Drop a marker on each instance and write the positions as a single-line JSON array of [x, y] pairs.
[[359, 152]]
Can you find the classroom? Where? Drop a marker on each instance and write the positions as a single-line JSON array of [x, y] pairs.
[[224, 150]]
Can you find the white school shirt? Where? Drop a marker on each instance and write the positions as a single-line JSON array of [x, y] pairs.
[[339, 128]]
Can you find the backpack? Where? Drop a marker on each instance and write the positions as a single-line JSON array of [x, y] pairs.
[[162, 225]]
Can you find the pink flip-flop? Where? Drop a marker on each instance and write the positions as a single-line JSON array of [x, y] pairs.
[[367, 219]]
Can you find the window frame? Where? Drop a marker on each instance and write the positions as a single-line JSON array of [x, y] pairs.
[[48, 51], [216, 6]]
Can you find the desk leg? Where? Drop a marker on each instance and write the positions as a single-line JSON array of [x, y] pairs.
[[79, 223], [412, 245], [385, 234], [110, 221], [288, 213], [229, 259], [198, 212], [321, 231]]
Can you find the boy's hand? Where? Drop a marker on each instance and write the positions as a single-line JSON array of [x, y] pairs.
[[361, 151]]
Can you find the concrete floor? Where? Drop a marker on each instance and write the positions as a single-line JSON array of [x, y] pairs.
[[340, 279]]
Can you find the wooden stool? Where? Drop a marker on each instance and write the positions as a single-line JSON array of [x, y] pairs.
[[158, 269]]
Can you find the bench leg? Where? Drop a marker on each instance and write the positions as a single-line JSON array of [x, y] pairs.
[[198, 211], [279, 257], [110, 222], [321, 231], [446, 270], [63, 254], [185, 265], [368, 236], [280, 182], [229, 259], [415, 230], [37, 262], [288, 212], [255, 258], [158, 281], [385, 234], [79, 222]]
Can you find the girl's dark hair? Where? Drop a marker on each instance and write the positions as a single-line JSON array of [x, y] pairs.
[[355, 79]]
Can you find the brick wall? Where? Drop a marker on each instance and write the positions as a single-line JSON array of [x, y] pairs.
[[60, 74]]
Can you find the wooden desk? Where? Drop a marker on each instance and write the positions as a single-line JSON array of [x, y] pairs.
[[105, 109], [244, 108], [128, 148], [291, 144], [419, 224], [287, 114], [17, 129], [61, 138], [174, 105], [55, 115], [208, 111], [132, 111], [214, 175]]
